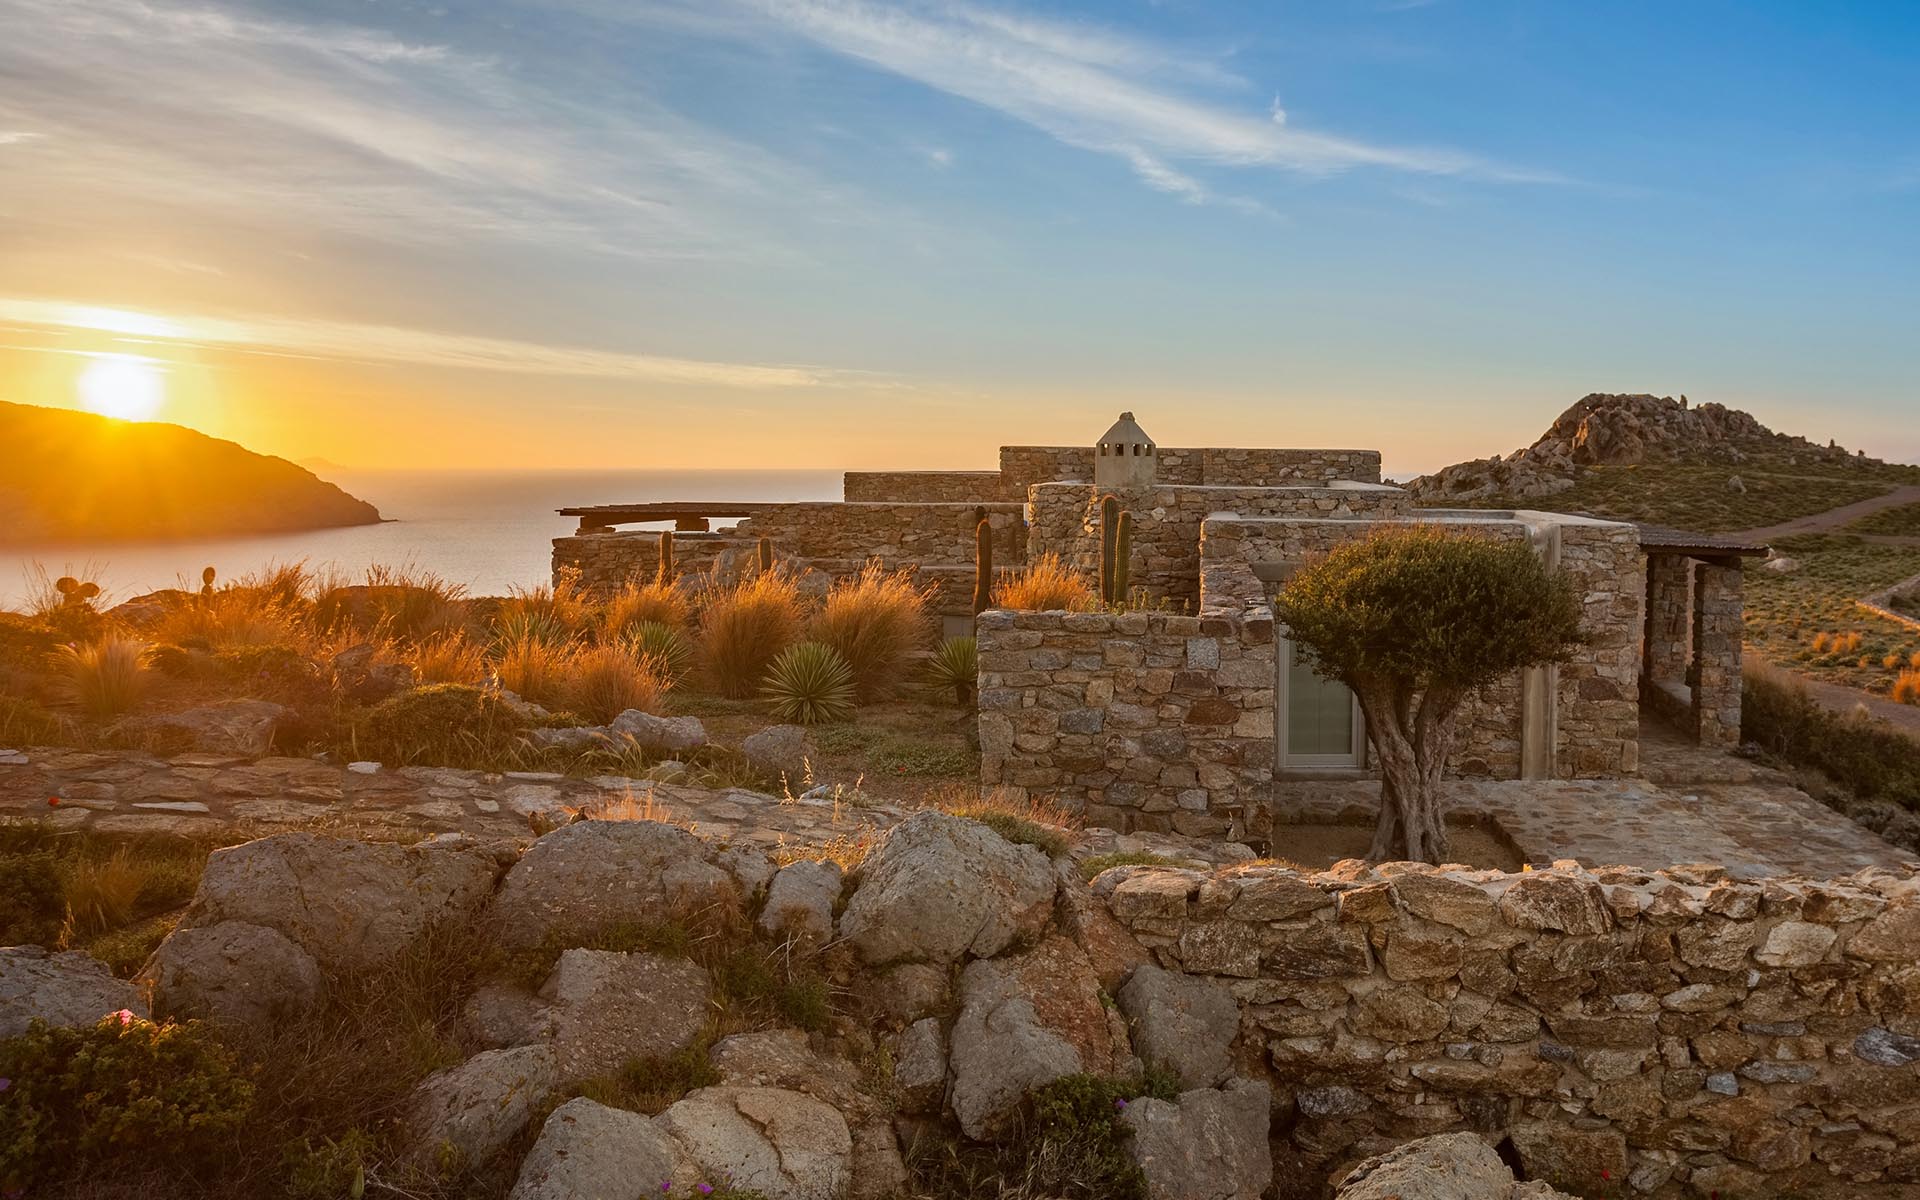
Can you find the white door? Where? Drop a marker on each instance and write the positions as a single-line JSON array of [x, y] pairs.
[[1320, 724]]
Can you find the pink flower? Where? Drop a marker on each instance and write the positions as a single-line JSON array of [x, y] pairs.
[[5, 1083], [706, 1189], [126, 1017]]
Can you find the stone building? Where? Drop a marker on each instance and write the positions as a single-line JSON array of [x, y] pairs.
[[1191, 710]]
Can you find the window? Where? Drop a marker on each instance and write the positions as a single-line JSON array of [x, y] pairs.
[[1320, 724]]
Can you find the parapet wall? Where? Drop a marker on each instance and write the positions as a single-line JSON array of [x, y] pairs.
[[952, 487], [1627, 1033], [1023, 466], [1141, 720]]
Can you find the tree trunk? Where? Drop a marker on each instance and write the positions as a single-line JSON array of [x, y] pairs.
[[1412, 742]]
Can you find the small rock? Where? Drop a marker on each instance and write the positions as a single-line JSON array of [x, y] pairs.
[[671, 734], [800, 900], [780, 752], [920, 1066], [232, 973], [591, 874], [71, 988], [364, 768], [1211, 1144]]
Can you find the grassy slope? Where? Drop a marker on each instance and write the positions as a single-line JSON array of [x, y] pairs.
[[1696, 497], [1786, 612], [1903, 521]]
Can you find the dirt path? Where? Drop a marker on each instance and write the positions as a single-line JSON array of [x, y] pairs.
[[1834, 518], [1841, 698]]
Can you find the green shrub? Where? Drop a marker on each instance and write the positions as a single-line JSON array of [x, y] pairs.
[[1874, 761], [32, 908], [649, 1084], [955, 667], [810, 684], [334, 1168], [672, 654], [442, 725], [1019, 830], [126, 1091], [918, 758]]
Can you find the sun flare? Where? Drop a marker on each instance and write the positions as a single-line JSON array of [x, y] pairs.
[[118, 386]]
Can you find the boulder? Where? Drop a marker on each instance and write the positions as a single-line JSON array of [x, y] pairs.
[[71, 988], [592, 874], [783, 1058], [502, 1014], [1113, 951], [352, 905], [232, 973], [605, 1007], [920, 1066], [939, 887], [780, 751], [226, 727], [901, 994], [466, 1114], [588, 1151], [1183, 1023], [1448, 1166], [800, 900], [673, 735], [782, 1144], [1210, 1144], [1024, 1022], [572, 739]]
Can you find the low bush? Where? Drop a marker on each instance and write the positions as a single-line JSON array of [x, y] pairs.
[[103, 678], [901, 757], [450, 657], [744, 626], [33, 908], [1871, 759], [534, 668], [651, 1083], [125, 1092], [1045, 585], [875, 619], [24, 723], [441, 725], [810, 684]]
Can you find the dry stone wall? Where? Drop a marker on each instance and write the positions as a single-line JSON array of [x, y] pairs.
[[955, 487], [1625, 1032], [1598, 697]]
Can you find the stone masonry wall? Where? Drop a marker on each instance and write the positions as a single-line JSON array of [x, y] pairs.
[[1024, 466], [1627, 1033], [1141, 721], [954, 487], [1598, 699], [1718, 630]]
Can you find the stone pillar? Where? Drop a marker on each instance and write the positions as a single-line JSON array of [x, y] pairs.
[[1664, 657], [1717, 635]]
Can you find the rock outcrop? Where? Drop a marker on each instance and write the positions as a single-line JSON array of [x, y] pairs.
[[783, 1144], [71, 988], [464, 1115], [1450, 1166], [605, 1007], [1210, 1144], [592, 874], [233, 972], [589, 1150]]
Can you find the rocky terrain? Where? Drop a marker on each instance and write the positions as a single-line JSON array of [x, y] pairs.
[[1604, 430], [76, 476]]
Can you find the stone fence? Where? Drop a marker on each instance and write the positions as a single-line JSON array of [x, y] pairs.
[[955, 487], [1622, 1032], [1023, 466]]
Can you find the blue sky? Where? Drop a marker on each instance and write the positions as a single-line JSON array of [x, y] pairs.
[[755, 232]]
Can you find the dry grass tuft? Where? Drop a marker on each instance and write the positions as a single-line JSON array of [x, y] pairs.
[[875, 620], [639, 604], [534, 669], [450, 657], [1030, 821], [601, 682], [1044, 585], [744, 627], [1906, 689], [102, 893], [104, 678]]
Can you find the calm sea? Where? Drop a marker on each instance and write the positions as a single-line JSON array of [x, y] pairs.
[[488, 530]]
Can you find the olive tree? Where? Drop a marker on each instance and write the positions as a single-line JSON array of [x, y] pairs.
[[1415, 620]]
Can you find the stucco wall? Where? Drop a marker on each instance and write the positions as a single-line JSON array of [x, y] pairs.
[[1631, 1033]]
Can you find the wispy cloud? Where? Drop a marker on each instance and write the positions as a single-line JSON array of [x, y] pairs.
[[1096, 90], [354, 342]]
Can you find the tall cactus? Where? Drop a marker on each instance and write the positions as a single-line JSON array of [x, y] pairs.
[[766, 555], [666, 556], [1122, 559], [1109, 530], [982, 566]]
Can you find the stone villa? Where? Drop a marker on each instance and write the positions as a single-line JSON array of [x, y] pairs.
[[1194, 714]]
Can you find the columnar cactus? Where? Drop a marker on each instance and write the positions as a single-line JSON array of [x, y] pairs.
[[982, 566], [1109, 531], [766, 554], [666, 556], [1123, 559]]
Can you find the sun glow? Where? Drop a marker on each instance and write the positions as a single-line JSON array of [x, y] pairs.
[[122, 386]]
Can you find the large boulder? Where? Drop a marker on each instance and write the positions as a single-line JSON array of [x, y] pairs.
[[588, 1151], [1210, 1144], [800, 901], [225, 727], [593, 874], [672, 735], [467, 1114], [782, 1144], [605, 1007], [1448, 1166], [352, 905], [232, 973], [939, 887], [780, 752], [1184, 1023], [1024, 1022], [71, 988]]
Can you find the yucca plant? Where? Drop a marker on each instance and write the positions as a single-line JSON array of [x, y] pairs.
[[810, 684], [956, 665], [667, 646], [104, 678]]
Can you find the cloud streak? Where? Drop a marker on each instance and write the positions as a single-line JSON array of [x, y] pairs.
[[352, 342]]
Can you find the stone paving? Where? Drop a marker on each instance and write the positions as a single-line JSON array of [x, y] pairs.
[[208, 795]]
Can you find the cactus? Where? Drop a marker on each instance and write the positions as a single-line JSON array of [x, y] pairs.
[[982, 566], [1122, 558], [74, 594], [1109, 531], [766, 554], [666, 556], [206, 585]]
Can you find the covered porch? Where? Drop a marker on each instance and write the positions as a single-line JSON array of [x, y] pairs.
[[1690, 653]]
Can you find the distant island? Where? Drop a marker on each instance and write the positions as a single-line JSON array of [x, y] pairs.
[[74, 476]]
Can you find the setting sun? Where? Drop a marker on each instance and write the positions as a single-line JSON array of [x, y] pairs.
[[118, 386]]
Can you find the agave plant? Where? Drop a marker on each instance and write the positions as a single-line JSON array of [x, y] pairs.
[[956, 665], [810, 684], [667, 646]]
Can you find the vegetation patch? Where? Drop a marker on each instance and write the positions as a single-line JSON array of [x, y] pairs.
[[1869, 759], [1090, 868], [1809, 618], [115, 898], [1698, 497], [1900, 521]]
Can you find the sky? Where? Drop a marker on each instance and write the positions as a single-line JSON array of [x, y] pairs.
[[842, 233]]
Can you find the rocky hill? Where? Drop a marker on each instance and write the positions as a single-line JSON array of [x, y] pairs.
[[1603, 431], [73, 476]]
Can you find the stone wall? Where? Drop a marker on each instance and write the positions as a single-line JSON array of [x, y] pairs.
[[1023, 466], [955, 487], [1597, 699], [1140, 721], [1625, 1033], [1718, 630]]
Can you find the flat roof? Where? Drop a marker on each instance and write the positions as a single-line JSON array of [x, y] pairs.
[[1667, 539]]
